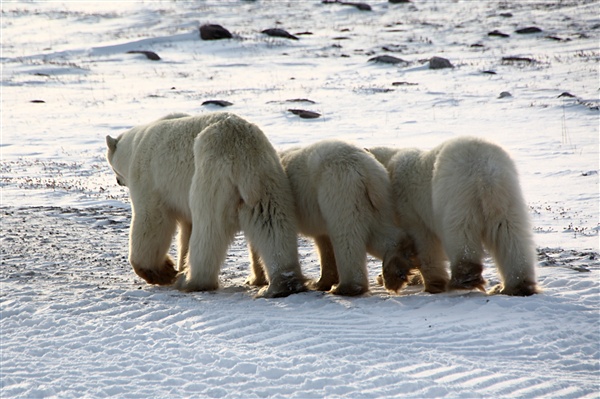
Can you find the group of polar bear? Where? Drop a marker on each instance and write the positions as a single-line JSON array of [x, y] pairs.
[[214, 175]]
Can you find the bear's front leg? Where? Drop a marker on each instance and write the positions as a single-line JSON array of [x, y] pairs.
[[149, 241]]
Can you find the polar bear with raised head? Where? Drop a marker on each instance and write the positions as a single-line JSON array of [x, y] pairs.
[[213, 175], [454, 201], [343, 202]]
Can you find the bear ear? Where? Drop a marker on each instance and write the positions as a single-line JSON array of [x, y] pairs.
[[111, 143]]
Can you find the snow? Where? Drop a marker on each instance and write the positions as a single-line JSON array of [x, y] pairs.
[[77, 322]]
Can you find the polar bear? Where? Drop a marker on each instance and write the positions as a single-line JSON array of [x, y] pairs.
[[454, 201], [343, 201], [212, 175]]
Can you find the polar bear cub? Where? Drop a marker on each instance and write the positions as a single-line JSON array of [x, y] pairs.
[[342, 197], [455, 200], [213, 175]]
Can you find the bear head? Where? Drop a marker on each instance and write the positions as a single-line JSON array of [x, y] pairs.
[[115, 159]]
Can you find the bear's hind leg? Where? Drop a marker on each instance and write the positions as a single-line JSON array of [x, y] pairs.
[[273, 235], [514, 252], [149, 242], [329, 272], [351, 260], [431, 261], [465, 263]]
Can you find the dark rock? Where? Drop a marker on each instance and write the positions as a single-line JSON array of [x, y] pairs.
[[38, 101], [505, 94], [220, 103], [517, 59], [304, 113], [439, 63], [214, 32], [149, 54], [399, 1], [404, 84], [489, 72], [277, 32], [498, 34], [360, 6], [506, 15], [566, 94], [394, 48], [387, 59], [528, 30], [300, 100]]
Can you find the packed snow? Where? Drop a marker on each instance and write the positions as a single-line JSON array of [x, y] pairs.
[[77, 322]]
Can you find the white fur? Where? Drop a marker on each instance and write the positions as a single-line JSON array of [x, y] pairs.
[[213, 173], [342, 197], [455, 200]]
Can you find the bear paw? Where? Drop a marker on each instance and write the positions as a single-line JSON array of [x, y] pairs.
[[394, 279], [352, 289], [256, 281], [187, 285], [321, 284], [436, 286], [164, 275], [467, 276], [282, 288], [524, 289]]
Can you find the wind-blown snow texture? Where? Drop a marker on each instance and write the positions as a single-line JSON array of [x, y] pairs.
[[76, 321]]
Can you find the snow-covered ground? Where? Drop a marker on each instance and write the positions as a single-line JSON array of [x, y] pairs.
[[76, 321]]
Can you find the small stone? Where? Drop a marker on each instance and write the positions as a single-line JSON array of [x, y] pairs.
[[566, 94], [528, 30], [387, 59], [220, 103], [149, 54], [498, 34], [360, 6], [214, 32], [277, 32], [505, 94], [300, 100], [404, 84], [304, 113], [517, 59]]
